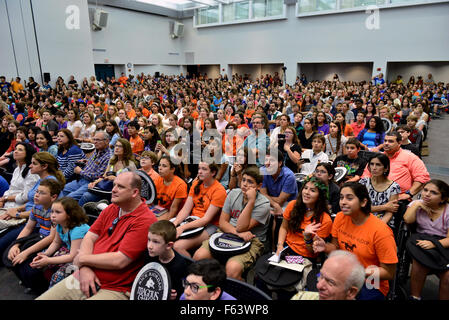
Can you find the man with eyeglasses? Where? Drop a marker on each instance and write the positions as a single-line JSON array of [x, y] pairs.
[[94, 169], [205, 281], [112, 251], [258, 140]]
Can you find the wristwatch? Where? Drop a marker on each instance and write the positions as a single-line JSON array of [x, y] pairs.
[[18, 215], [409, 193]]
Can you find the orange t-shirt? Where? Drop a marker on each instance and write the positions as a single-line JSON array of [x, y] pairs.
[[372, 242], [295, 240], [249, 113], [195, 114], [146, 113], [212, 195], [153, 174], [348, 131], [137, 144], [166, 194], [131, 114]]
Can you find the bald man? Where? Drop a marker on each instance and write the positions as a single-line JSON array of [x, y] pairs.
[[341, 278], [112, 251]]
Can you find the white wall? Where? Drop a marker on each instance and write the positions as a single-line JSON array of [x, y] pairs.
[[345, 71], [52, 48], [213, 71], [135, 37], [329, 38], [256, 70], [162, 69], [439, 70]]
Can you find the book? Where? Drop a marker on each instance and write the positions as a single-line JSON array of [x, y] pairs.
[[292, 266], [158, 210], [231, 239]]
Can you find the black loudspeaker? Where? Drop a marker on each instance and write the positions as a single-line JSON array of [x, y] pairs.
[[157, 74], [46, 76]]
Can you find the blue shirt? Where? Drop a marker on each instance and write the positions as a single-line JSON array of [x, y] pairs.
[[285, 182], [73, 234], [42, 218]]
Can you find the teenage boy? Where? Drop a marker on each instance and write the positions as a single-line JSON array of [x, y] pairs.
[[404, 131], [359, 124], [39, 219], [147, 160], [246, 213], [161, 238], [60, 119], [137, 144], [48, 124], [314, 155], [351, 161], [205, 281]]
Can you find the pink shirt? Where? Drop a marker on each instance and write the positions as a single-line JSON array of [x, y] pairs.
[[356, 128], [405, 168]]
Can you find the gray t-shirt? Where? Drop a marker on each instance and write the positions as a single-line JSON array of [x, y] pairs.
[[261, 211]]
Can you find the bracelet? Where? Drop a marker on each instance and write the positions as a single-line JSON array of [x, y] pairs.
[[310, 241]]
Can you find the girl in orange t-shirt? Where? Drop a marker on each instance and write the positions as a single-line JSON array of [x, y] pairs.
[[171, 189], [356, 230], [205, 200], [304, 217]]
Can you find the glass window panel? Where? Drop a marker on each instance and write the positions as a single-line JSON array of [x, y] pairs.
[[259, 8], [275, 8]]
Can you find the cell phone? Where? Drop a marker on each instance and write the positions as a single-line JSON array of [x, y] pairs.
[[281, 136], [159, 141], [306, 160]]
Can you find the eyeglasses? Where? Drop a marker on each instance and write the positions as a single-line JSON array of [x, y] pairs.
[[112, 227], [193, 286], [98, 140]]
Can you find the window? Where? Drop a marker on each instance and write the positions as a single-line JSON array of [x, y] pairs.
[[236, 11], [267, 8], [208, 15]]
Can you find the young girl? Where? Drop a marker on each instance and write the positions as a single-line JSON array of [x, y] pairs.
[[74, 123], [346, 129], [205, 200], [305, 217], [382, 191], [45, 143], [356, 230], [335, 140], [171, 188], [88, 129], [306, 136], [326, 172], [71, 226], [321, 121], [431, 215]]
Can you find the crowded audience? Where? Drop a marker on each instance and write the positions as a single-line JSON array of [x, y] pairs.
[[251, 158]]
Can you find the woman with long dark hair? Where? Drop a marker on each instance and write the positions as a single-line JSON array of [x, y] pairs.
[[372, 136], [305, 217], [356, 230], [68, 153]]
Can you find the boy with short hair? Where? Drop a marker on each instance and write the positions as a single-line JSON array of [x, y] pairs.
[[246, 213], [205, 281], [351, 161], [147, 160], [416, 135], [161, 238], [406, 144], [136, 141], [47, 192], [60, 119], [359, 124], [314, 155]]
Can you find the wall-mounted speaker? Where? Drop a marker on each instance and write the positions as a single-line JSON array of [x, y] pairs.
[[46, 76]]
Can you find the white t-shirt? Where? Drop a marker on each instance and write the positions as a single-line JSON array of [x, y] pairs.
[[308, 168], [73, 125]]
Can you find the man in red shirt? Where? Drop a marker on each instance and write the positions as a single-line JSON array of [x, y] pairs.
[[112, 251]]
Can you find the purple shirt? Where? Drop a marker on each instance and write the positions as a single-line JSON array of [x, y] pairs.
[[439, 227]]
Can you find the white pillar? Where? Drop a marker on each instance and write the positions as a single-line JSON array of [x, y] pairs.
[[291, 72], [225, 69]]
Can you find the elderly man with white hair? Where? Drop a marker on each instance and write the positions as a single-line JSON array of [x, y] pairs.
[[341, 278]]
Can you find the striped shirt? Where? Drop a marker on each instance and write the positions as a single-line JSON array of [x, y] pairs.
[[97, 164], [42, 218], [67, 161]]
